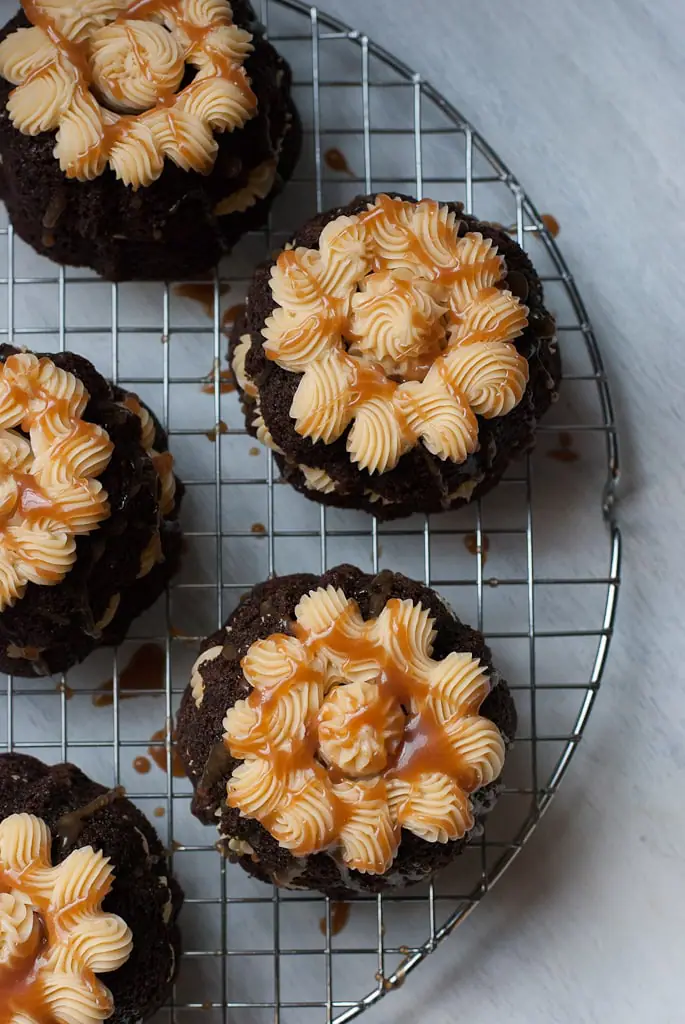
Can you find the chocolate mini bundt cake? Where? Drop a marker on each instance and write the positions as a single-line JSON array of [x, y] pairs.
[[396, 356], [345, 732], [141, 138], [88, 511], [88, 905]]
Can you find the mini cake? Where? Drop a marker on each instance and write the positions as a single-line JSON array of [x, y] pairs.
[[395, 356], [88, 506], [141, 138], [345, 732], [66, 845]]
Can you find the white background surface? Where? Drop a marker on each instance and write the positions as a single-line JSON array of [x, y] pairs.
[[585, 103]]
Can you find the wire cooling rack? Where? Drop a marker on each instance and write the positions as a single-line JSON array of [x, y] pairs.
[[530, 565]]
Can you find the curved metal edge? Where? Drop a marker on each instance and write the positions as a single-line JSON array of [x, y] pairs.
[[609, 500]]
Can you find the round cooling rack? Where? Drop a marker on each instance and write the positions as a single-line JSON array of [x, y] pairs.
[[535, 565]]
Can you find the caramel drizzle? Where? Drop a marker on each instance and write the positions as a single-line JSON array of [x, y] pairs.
[[21, 985], [76, 54], [461, 273], [326, 328], [425, 746]]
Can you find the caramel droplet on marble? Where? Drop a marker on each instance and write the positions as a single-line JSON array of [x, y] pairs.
[[551, 223], [202, 293], [145, 671], [158, 754], [232, 314], [340, 915], [471, 544], [336, 160], [142, 765], [220, 428]]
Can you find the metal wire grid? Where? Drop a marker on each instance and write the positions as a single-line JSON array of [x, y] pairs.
[[441, 907]]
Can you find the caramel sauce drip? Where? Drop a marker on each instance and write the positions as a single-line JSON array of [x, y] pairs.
[[471, 545], [226, 384], [202, 293], [158, 754], [336, 160], [340, 915], [565, 452], [145, 671], [232, 314], [70, 826], [142, 765], [220, 428], [551, 223]]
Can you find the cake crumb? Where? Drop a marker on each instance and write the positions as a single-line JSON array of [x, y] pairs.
[[159, 812], [254, 451], [66, 690], [258, 528]]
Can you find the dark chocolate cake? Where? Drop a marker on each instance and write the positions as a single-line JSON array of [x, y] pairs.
[[396, 356], [142, 139], [88, 511], [345, 732], [88, 907]]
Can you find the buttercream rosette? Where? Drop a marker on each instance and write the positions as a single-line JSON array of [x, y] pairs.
[[55, 938], [344, 732], [395, 355], [106, 76]]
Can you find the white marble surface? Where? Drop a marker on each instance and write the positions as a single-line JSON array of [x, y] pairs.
[[584, 102]]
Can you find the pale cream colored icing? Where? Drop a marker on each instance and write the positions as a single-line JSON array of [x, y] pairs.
[[326, 737], [163, 462], [197, 685], [54, 936], [238, 365], [317, 479], [366, 750], [397, 328], [132, 57], [260, 181], [48, 494]]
